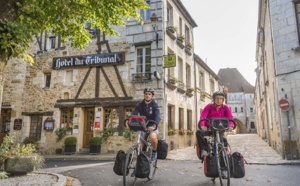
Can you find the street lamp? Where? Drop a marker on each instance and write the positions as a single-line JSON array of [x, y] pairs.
[[154, 20]]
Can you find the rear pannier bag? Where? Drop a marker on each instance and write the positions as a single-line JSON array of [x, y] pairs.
[[237, 162], [211, 165], [162, 149], [137, 123], [119, 162], [142, 166]]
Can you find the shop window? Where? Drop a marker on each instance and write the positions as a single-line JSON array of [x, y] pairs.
[[252, 125], [5, 120], [67, 119], [111, 118], [128, 112], [36, 124]]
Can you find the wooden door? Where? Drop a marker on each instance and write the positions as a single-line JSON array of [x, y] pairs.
[[89, 117]]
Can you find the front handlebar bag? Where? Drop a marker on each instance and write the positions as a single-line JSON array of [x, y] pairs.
[[137, 123]]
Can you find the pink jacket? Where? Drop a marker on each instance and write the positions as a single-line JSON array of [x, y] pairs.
[[215, 114]]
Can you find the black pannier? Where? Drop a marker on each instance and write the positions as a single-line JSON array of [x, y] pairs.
[[119, 162], [142, 166], [211, 165], [162, 149]]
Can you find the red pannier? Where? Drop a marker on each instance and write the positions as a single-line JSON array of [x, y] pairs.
[[137, 123]]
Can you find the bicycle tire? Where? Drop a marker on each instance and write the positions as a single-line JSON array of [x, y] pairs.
[[153, 167], [129, 167], [222, 156]]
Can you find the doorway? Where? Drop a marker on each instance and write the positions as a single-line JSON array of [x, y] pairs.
[[89, 117], [4, 123]]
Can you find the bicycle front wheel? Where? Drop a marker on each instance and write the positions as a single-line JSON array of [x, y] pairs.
[[129, 167], [153, 167], [223, 166]]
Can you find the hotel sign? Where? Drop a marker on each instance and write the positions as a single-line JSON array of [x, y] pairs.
[[114, 58]]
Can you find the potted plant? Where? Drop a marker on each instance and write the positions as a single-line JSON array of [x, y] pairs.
[[171, 132], [130, 135], [181, 38], [190, 90], [173, 80], [172, 28], [190, 132], [61, 133], [181, 132], [188, 45], [70, 145], [95, 145], [19, 158]]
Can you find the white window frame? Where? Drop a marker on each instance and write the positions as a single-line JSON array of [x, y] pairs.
[[145, 14], [144, 57]]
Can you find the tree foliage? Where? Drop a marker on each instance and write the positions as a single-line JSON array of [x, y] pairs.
[[23, 20]]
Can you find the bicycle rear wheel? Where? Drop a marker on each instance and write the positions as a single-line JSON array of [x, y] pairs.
[[223, 165], [129, 167]]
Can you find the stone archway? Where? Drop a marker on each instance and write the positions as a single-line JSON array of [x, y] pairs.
[[239, 125]]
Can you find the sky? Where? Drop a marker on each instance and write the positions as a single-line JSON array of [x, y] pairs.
[[226, 34]]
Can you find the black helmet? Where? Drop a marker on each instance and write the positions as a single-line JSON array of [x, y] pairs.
[[218, 93], [149, 90]]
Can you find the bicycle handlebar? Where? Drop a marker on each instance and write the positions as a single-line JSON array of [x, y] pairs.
[[217, 126], [146, 124]]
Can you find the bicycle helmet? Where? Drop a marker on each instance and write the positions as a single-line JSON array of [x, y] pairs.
[[149, 90], [218, 93]]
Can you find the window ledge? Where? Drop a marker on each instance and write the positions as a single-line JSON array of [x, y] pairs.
[[297, 48]]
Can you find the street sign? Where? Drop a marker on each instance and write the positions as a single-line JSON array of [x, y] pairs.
[[284, 104]]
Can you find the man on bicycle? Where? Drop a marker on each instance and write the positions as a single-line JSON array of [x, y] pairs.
[[215, 110], [150, 109]]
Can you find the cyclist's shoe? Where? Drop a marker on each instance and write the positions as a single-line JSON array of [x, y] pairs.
[[224, 174], [203, 153], [154, 156]]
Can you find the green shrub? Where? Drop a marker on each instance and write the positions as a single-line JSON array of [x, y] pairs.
[[61, 133], [95, 141], [71, 140]]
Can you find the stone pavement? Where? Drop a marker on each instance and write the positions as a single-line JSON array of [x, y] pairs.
[[254, 149]]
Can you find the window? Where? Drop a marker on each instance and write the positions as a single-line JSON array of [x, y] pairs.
[[242, 109], [52, 42], [241, 97], [171, 117], [188, 76], [181, 119], [5, 120], [67, 118], [212, 86], [111, 118], [169, 14], [47, 80], [252, 125], [180, 25], [36, 123], [297, 12], [69, 76], [143, 64], [187, 34], [145, 14], [201, 81], [189, 120], [251, 109], [235, 109], [180, 70]]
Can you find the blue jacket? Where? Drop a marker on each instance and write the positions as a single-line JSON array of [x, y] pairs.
[[150, 111]]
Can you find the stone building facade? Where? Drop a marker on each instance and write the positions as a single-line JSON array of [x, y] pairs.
[[87, 91], [278, 58]]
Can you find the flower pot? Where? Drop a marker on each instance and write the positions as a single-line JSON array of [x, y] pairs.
[[19, 165], [70, 149], [95, 149]]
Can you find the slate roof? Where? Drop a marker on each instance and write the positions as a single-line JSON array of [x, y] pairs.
[[234, 80]]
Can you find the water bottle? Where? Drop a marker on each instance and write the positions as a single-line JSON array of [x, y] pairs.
[[215, 148]]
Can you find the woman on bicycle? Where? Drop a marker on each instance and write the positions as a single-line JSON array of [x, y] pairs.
[[215, 110], [150, 109]]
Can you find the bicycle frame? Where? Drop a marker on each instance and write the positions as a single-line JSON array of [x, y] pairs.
[[216, 145]]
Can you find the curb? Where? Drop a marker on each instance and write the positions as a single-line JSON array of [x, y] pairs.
[[61, 179]]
